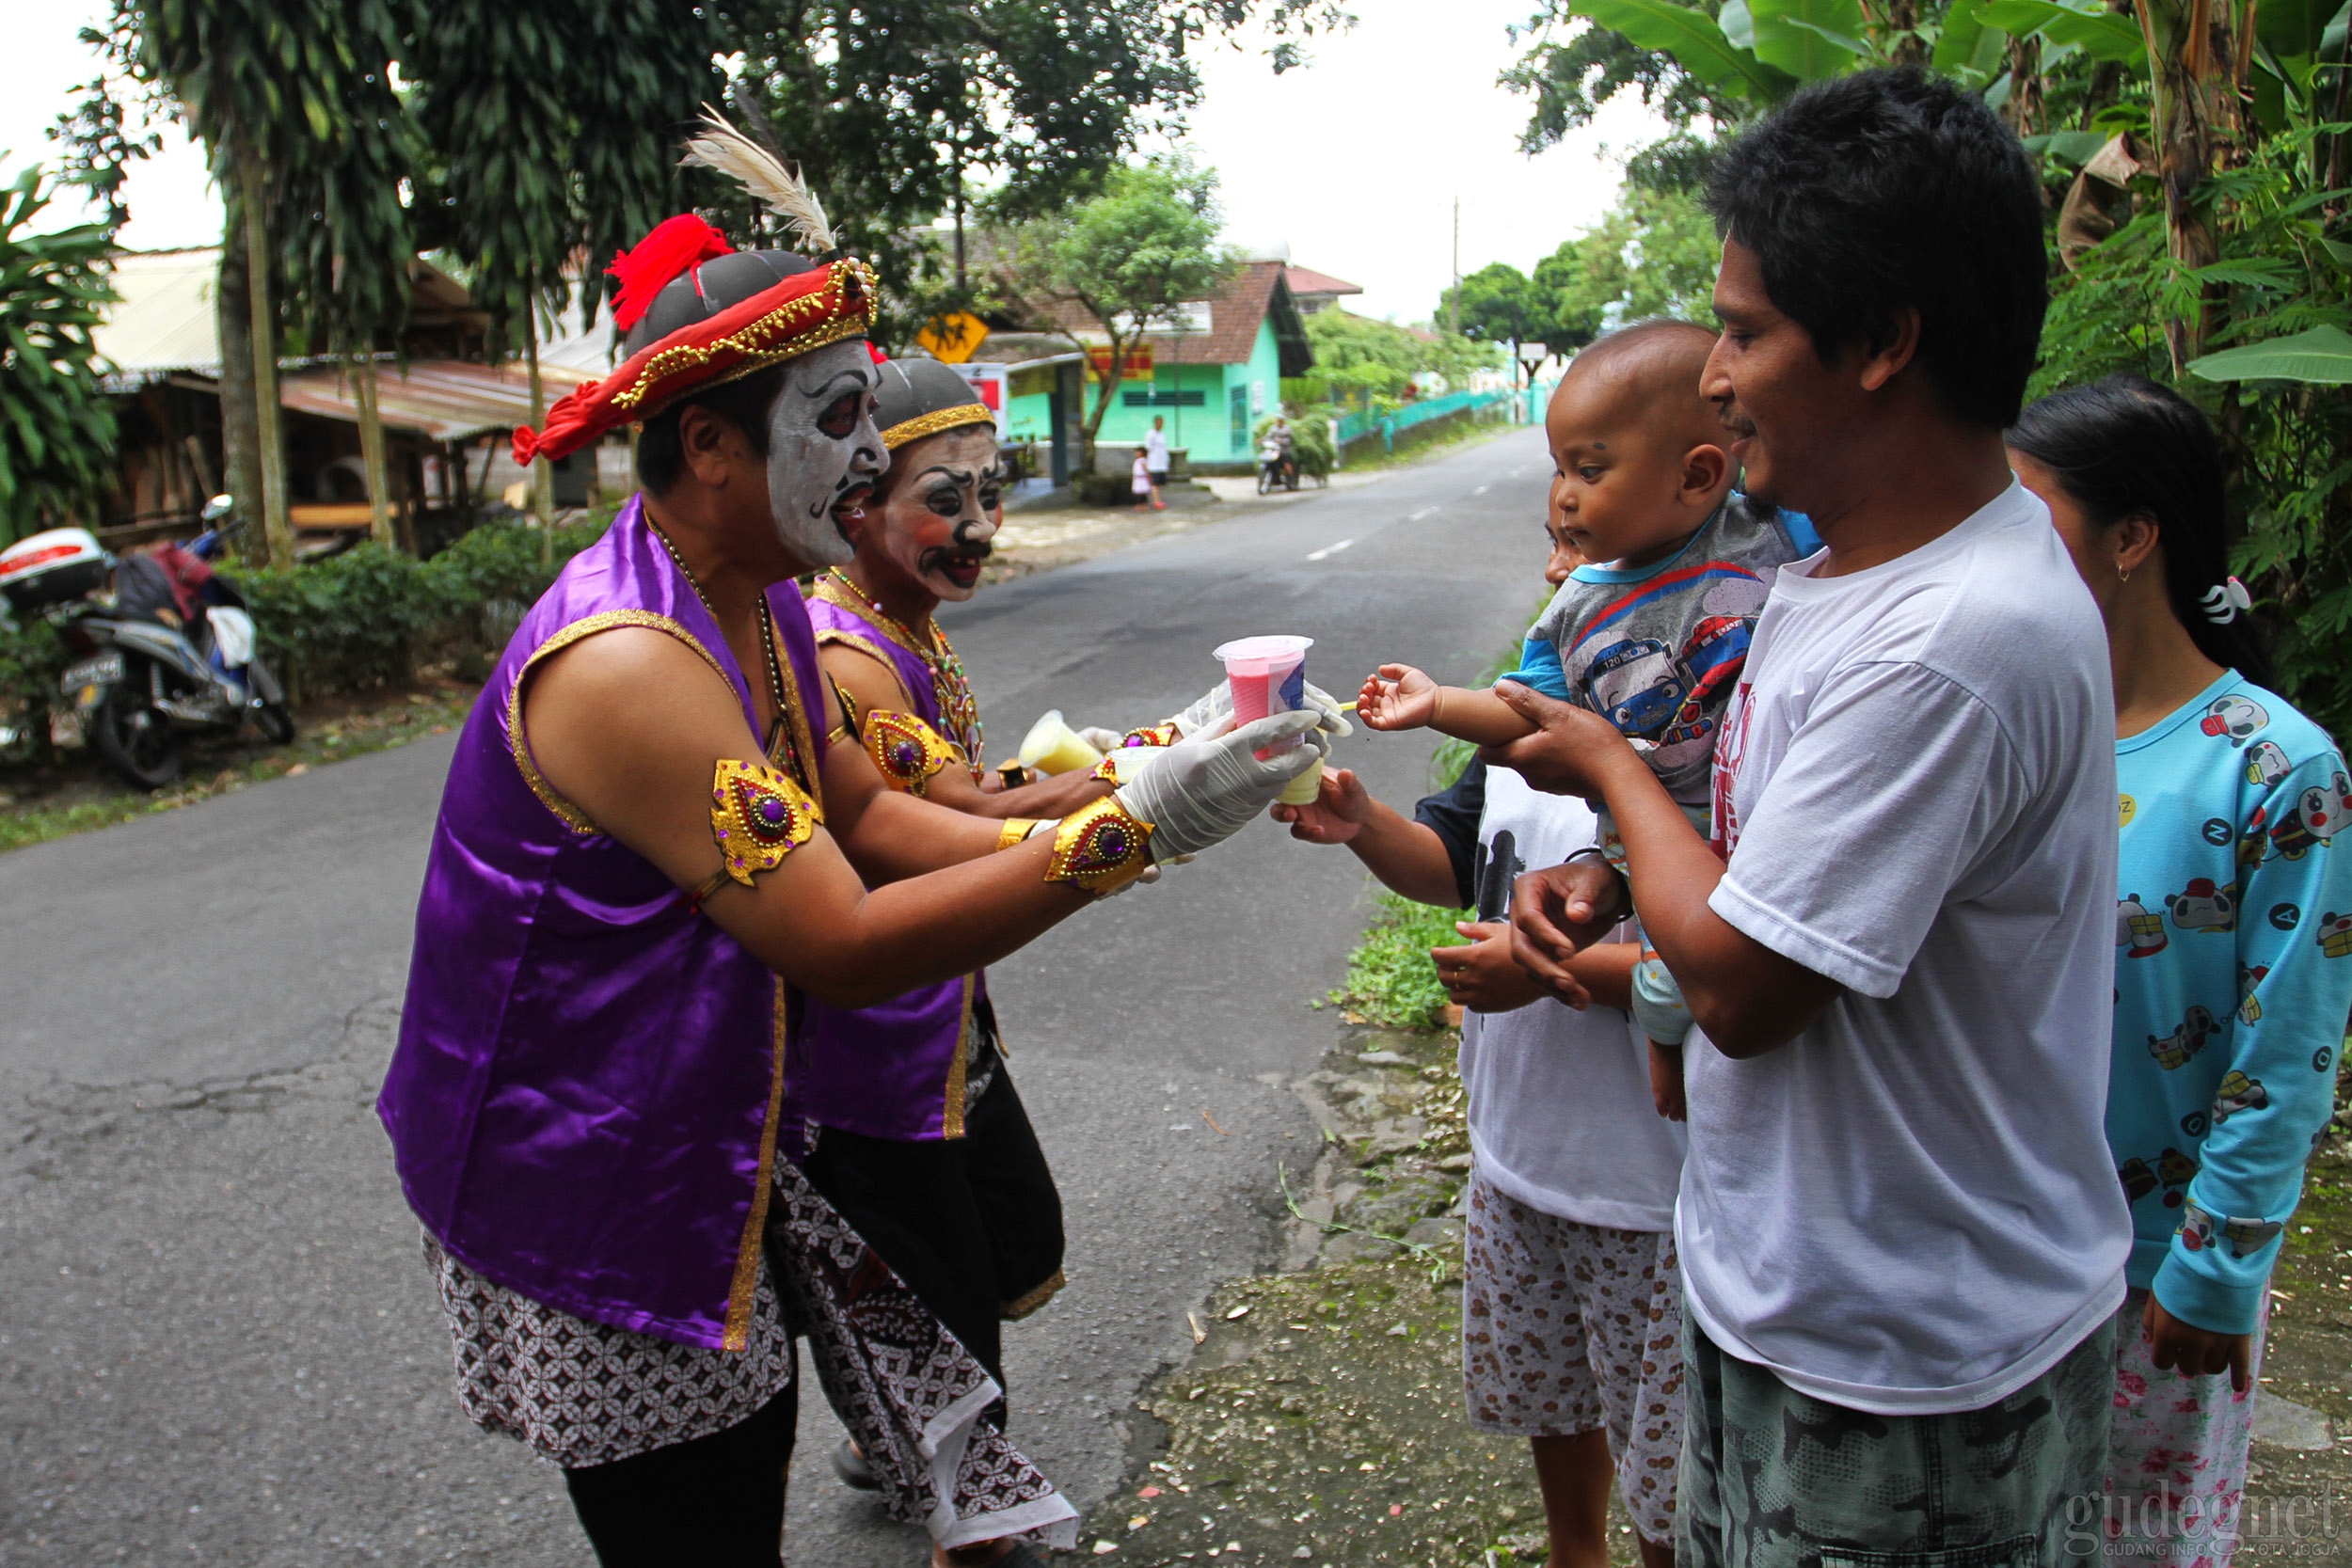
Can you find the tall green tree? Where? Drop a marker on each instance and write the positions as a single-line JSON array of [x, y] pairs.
[[1126, 258], [1497, 304], [57, 431], [900, 111], [555, 132]]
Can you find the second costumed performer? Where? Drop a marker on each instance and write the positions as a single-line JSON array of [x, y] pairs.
[[652, 851], [921, 1141]]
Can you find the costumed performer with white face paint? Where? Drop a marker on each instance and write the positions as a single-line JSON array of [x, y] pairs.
[[653, 849]]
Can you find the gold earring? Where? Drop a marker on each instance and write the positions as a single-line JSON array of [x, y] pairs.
[[2122, 573]]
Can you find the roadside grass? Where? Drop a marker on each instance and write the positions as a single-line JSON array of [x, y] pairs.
[[75, 795], [1415, 446], [1391, 981]]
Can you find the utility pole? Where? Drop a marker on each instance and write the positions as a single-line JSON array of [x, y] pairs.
[[1453, 300]]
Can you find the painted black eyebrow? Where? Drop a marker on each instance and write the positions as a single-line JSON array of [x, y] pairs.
[[825, 389]]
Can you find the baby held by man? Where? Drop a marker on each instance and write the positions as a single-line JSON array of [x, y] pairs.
[[1652, 631]]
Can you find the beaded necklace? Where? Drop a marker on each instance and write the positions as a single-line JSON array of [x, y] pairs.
[[790, 722], [958, 710]]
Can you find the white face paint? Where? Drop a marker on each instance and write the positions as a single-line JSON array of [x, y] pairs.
[[823, 449]]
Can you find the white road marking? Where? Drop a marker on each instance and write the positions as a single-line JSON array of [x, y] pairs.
[[1425, 512], [1329, 551]]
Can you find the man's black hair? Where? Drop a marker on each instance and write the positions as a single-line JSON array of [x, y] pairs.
[[1869, 193], [743, 402]]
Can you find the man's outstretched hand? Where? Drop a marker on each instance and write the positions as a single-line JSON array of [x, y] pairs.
[[1565, 754], [1335, 814], [1558, 911]]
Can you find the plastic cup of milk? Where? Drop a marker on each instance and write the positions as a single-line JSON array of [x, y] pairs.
[[1266, 675]]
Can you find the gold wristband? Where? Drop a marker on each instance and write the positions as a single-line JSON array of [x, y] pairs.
[[1101, 846], [1016, 831]]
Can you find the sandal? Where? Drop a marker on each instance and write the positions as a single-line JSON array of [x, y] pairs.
[[851, 1468]]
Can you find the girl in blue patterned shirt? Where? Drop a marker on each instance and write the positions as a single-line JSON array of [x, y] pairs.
[[2234, 937]]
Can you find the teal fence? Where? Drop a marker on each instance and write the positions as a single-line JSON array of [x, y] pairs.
[[1355, 427]]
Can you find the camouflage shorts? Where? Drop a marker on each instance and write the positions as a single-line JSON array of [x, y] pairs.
[[1776, 1478]]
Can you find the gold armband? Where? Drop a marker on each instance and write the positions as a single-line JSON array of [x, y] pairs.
[[758, 815], [906, 750], [1019, 829], [1101, 846], [1162, 734]]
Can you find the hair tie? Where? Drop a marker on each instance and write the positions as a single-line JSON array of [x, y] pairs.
[[2222, 601]]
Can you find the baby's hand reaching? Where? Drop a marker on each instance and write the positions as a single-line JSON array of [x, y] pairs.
[[1398, 698]]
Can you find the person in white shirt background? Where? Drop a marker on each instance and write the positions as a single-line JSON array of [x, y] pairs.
[[1156, 460], [1901, 1240]]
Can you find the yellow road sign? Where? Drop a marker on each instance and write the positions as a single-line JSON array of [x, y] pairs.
[[954, 338]]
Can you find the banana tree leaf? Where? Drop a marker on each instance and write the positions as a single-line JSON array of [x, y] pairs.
[[2102, 35], [2293, 28], [2331, 40], [2073, 146], [1809, 39], [2337, 248], [1737, 25], [2322, 354], [1694, 41], [1970, 44]]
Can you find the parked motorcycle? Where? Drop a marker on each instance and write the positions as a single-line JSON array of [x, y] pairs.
[[167, 649], [1276, 466]]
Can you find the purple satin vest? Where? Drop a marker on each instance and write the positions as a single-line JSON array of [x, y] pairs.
[[895, 1071], [583, 1105]]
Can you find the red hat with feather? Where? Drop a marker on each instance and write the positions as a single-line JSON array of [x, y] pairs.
[[696, 311]]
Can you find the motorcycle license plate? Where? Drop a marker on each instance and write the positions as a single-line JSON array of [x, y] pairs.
[[104, 669]]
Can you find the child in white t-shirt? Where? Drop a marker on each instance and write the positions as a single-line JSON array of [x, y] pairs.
[[1140, 481], [1572, 1299]]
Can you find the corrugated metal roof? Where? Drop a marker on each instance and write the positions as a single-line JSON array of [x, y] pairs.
[[167, 320], [442, 400]]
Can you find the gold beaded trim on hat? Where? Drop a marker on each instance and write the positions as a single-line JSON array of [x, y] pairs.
[[933, 422], [1101, 846], [757, 341]]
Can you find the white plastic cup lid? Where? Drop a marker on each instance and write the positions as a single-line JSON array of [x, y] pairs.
[[1264, 649]]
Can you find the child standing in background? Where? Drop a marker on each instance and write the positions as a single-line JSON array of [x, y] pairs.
[[1572, 1297], [1140, 481], [1653, 632]]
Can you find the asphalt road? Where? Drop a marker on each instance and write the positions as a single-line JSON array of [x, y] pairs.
[[217, 1340]]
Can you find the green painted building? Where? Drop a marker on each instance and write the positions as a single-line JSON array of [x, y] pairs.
[[1214, 378]]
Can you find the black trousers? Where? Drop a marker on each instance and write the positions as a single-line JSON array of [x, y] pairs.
[[970, 1223], [713, 1502]]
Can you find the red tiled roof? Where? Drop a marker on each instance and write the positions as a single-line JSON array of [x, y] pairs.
[[1306, 280], [1234, 319]]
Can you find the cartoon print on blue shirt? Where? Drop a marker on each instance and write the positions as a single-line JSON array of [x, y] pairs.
[[2266, 765], [2250, 983], [2253, 845], [2234, 716], [2136, 928], [2322, 810], [2237, 1093], [2335, 935], [2203, 906], [2175, 1048], [2138, 1180], [2176, 1170], [2245, 1237], [1712, 656], [1634, 685]]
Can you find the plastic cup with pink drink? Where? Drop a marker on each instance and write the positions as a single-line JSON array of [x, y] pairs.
[[1268, 675]]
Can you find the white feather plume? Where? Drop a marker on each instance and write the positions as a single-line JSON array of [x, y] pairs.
[[724, 149]]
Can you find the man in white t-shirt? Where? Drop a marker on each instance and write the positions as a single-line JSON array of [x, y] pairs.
[[1901, 1239]]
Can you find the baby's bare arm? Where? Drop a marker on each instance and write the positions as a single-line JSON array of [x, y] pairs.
[[1478, 716]]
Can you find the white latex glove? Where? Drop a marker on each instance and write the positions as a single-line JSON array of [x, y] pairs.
[[1204, 790], [1218, 702], [1101, 738]]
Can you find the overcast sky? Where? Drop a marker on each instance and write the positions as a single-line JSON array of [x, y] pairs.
[[1354, 161]]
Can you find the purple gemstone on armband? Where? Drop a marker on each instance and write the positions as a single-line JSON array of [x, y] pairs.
[[772, 812]]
